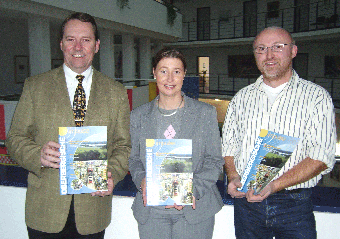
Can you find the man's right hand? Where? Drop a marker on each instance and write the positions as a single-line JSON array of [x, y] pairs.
[[50, 155], [232, 188]]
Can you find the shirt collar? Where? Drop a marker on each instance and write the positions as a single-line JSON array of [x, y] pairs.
[[72, 75], [258, 84]]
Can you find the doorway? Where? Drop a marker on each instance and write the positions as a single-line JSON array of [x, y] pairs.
[[301, 22], [203, 23], [250, 19], [203, 72], [300, 65]]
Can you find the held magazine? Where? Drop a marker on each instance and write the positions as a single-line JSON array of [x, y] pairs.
[[270, 153], [169, 172], [83, 159]]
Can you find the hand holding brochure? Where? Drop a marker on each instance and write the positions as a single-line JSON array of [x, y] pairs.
[[270, 153], [83, 159], [169, 172]]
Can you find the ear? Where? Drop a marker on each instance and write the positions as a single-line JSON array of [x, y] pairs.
[[97, 45], [153, 72], [294, 51]]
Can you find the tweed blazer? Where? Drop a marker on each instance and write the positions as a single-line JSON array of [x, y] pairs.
[[199, 123], [43, 107]]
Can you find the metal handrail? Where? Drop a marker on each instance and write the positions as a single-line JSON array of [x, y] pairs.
[[223, 84]]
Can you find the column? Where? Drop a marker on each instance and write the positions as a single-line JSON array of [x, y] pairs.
[[106, 56], [129, 67], [157, 47], [145, 58], [39, 45]]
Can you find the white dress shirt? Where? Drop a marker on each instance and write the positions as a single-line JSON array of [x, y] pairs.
[[72, 82]]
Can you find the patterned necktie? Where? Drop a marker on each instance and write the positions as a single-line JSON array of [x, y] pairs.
[[79, 102]]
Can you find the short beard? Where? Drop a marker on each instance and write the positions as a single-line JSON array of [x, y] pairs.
[[272, 76], [277, 75]]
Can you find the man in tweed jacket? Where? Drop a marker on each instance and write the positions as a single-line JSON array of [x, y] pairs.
[[32, 141]]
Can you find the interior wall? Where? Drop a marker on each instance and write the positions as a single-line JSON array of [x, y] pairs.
[[14, 38]]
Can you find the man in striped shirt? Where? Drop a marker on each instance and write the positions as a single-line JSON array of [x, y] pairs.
[[281, 102]]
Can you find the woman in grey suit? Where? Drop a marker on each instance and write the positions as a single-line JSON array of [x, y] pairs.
[[174, 115]]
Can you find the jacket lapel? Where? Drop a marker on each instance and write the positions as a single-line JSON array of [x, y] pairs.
[[60, 96], [150, 121], [99, 105], [188, 119], [97, 98]]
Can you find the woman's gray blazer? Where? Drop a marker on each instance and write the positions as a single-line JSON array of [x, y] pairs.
[[199, 123]]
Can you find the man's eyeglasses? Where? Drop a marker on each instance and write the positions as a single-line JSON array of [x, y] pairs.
[[275, 48]]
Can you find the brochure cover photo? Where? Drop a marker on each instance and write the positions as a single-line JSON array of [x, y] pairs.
[[169, 172], [83, 159], [270, 153]]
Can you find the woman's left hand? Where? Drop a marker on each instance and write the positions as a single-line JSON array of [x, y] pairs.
[[179, 207]]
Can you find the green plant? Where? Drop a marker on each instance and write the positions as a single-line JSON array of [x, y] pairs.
[[171, 14], [123, 3]]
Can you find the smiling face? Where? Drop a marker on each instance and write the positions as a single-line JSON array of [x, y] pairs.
[[79, 45], [275, 66], [169, 74]]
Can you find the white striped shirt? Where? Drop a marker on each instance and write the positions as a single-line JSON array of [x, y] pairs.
[[302, 109]]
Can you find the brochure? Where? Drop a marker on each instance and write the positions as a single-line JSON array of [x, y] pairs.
[[83, 160], [270, 153], [169, 172]]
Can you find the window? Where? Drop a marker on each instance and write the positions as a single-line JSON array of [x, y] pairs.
[[273, 9]]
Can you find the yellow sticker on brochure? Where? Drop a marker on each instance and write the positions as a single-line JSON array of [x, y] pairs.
[[62, 131], [263, 133], [150, 142]]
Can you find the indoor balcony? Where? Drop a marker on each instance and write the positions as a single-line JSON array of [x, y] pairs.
[[298, 19]]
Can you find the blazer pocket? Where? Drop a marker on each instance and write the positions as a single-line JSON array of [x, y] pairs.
[[33, 180]]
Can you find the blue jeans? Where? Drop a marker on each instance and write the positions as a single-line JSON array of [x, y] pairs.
[[284, 215]]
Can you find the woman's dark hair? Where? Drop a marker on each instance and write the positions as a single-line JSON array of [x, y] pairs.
[[168, 52], [83, 17]]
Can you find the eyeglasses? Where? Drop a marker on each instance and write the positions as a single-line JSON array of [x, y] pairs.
[[275, 48]]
